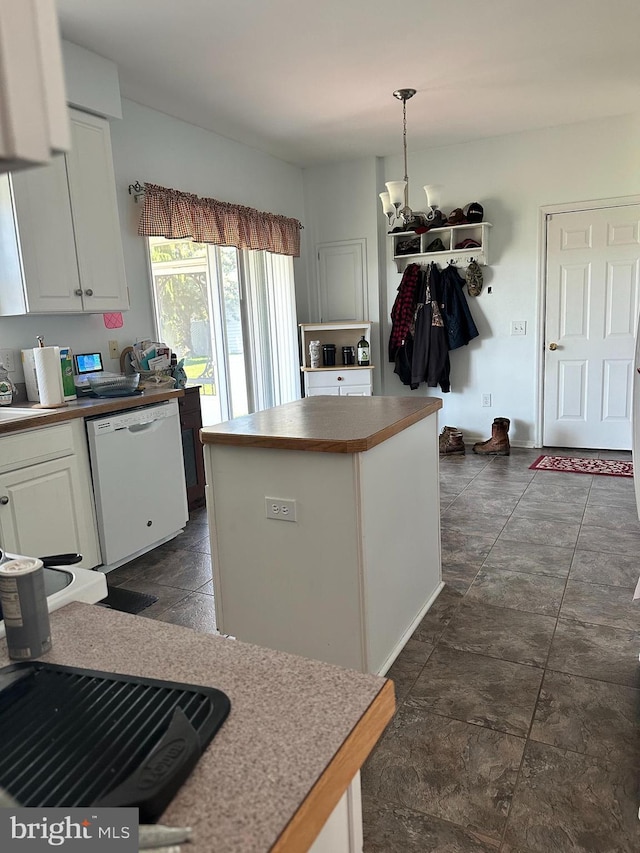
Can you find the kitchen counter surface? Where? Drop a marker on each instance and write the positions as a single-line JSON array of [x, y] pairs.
[[329, 424], [86, 407], [297, 733]]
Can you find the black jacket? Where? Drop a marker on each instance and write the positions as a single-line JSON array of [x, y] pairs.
[[456, 314], [430, 361]]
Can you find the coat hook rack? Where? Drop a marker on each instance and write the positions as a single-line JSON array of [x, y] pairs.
[[136, 190]]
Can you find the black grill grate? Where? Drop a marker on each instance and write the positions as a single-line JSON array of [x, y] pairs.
[[76, 737]]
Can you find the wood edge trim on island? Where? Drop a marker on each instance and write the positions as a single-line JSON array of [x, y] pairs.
[[304, 827]]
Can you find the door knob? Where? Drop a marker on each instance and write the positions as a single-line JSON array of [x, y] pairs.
[[553, 347], [4, 500]]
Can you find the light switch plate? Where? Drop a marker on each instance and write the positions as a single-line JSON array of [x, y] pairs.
[[7, 357]]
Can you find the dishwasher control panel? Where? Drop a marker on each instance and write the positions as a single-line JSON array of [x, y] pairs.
[[135, 417]]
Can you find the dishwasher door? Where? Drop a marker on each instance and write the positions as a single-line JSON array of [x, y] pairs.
[[138, 480]]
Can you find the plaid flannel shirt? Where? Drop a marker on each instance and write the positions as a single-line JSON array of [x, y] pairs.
[[403, 311]]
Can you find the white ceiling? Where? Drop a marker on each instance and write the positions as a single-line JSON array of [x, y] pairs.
[[311, 81]]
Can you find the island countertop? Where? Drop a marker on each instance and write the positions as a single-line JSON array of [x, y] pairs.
[[324, 423], [297, 733]]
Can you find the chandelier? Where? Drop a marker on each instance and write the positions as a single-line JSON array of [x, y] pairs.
[[395, 201]]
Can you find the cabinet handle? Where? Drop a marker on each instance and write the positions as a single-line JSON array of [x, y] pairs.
[[88, 292], [78, 292], [4, 500], [340, 378]]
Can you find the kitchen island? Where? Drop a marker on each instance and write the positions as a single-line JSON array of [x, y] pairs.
[[286, 756], [325, 525]]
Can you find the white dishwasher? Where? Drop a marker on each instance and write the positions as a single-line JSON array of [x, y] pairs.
[[138, 480]]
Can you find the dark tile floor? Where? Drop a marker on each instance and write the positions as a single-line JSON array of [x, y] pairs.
[[519, 693]]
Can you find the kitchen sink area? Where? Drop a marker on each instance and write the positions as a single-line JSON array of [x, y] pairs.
[[16, 413]]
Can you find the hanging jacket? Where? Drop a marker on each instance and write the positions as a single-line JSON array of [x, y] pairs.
[[456, 314], [404, 308], [404, 356], [430, 361]]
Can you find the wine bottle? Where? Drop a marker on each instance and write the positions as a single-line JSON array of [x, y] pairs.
[[363, 352]]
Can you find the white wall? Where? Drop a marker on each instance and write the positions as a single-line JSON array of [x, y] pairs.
[[340, 204], [513, 177], [151, 146]]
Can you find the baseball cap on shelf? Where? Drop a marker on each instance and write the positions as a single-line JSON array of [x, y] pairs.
[[436, 246], [436, 219], [468, 244], [474, 211], [456, 217]]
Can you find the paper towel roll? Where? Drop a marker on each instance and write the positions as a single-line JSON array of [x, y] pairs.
[[49, 374]]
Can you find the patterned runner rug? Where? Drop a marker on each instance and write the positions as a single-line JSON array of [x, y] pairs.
[[578, 465]]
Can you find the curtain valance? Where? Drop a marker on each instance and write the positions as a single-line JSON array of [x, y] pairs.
[[171, 213]]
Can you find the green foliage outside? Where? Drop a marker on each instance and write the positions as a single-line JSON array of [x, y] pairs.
[[183, 299]]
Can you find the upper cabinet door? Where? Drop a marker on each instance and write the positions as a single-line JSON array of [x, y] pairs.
[[60, 241], [95, 215], [46, 239]]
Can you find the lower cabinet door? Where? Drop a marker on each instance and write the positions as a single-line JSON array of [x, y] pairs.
[[342, 833], [43, 510]]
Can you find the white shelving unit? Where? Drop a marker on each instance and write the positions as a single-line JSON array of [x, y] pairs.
[[339, 380], [451, 236]]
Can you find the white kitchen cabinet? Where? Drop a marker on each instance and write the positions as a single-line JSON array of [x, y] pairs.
[[339, 380], [33, 113], [46, 502], [60, 242], [354, 382]]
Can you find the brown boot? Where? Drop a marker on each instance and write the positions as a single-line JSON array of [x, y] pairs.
[[451, 442], [498, 444], [443, 438]]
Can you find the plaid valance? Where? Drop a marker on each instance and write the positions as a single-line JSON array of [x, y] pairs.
[[171, 213]]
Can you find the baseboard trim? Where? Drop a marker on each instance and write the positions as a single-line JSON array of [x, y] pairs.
[[412, 627]]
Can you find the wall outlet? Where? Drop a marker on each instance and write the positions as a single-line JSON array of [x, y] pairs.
[[280, 509], [114, 349], [7, 357], [486, 400], [519, 327]]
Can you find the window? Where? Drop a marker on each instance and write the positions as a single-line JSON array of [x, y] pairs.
[[231, 315]]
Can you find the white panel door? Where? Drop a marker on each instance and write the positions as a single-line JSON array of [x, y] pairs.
[[342, 280], [592, 289]]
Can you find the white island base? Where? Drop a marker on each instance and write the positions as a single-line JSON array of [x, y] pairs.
[[349, 580]]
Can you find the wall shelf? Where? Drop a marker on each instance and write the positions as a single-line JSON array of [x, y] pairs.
[[451, 236]]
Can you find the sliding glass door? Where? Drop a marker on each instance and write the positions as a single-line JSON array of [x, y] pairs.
[[231, 315]]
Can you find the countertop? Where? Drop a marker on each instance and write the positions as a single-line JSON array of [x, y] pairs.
[[324, 423], [85, 407], [297, 732]]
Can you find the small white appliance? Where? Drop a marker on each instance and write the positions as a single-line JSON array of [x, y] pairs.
[[64, 584], [138, 480]]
